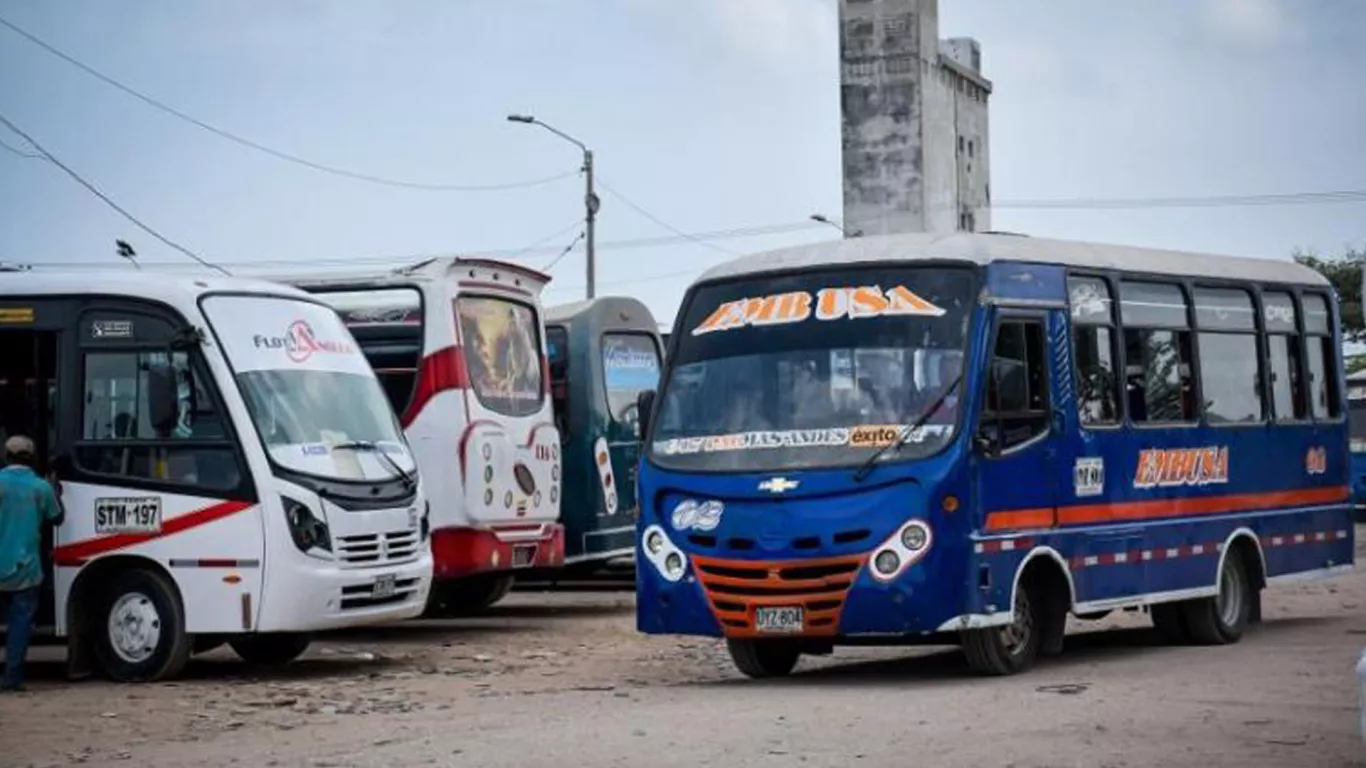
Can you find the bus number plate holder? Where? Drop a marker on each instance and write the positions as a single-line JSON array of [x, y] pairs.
[[778, 620], [384, 587], [523, 555]]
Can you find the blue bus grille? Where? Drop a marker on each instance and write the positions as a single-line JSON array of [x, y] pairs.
[[736, 588]]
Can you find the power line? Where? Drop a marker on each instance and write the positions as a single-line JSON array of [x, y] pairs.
[[563, 253], [107, 201], [20, 152], [1210, 201], [277, 153], [661, 222], [548, 238]]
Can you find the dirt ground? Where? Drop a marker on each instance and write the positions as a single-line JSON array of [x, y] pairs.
[[563, 679]]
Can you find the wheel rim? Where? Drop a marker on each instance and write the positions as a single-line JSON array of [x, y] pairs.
[[1230, 595], [1017, 635], [134, 627]]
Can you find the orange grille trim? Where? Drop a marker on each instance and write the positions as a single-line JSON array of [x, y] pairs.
[[750, 584]]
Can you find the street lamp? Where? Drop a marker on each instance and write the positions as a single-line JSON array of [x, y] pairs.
[[591, 203], [822, 218]]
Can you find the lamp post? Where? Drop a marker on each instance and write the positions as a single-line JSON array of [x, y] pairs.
[[591, 203], [822, 218]]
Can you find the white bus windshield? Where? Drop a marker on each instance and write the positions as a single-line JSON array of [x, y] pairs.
[[815, 369], [312, 395]]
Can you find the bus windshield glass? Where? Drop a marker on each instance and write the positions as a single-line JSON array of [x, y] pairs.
[[312, 396], [817, 369]]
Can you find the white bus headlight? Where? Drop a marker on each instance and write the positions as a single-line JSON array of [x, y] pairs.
[[654, 542], [307, 531], [667, 559], [901, 550]]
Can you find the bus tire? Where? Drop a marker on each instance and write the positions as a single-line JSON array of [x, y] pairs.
[[1220, 620], [1013, 648], [141, 636], [467, 596], [764, 658], [1169, 620], [273, 649]]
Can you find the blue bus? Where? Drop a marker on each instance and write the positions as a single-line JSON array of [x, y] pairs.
[[965, 438], [1356, 414]]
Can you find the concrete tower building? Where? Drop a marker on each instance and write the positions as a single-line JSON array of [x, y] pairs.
[[914, 117]]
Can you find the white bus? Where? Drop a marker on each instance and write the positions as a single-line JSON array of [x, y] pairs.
[[230, 469], [459, 345]]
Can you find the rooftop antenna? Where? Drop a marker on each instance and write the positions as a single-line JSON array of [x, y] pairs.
[[125, 251]]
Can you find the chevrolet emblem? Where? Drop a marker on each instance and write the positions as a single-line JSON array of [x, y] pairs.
[[778, 485]]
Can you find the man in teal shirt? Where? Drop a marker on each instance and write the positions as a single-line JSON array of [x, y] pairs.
[[27, 502]]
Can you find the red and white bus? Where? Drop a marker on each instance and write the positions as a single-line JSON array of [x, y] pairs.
[[459, 345], [230, 468]]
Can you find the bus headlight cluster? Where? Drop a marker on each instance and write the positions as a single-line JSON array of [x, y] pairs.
[[899, 552], [668, 559]]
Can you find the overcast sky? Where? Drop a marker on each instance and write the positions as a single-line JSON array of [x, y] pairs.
[[710, 114]]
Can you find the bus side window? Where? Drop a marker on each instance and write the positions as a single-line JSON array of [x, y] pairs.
[[1093, 348], [1017, 396], [118, 436], [1321, 357], [1157, 342], [1283, 354]]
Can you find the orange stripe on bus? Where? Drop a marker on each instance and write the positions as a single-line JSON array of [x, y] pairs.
[[1189, 506]]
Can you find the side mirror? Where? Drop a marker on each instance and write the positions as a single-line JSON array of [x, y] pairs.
[[163, 399], [645, 406]]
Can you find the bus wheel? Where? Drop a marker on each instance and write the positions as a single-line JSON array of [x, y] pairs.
[[764, 658], [1014, 647], [1170, 621], [1220, 620], [271, 650], [142, 637]]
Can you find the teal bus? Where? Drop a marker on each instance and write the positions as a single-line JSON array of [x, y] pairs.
[[603, 353]]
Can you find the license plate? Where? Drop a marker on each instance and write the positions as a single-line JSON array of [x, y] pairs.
[[523, 555], [384, 587], [777, 620]]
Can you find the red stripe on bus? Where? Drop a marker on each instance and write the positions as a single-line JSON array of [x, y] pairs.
[[75, 554], [438, 372], [1190, 506]]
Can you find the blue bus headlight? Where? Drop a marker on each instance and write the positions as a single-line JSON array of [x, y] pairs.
[[666, 558], [899, 552]]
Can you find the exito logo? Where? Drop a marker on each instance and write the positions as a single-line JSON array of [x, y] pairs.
[[299, 343]]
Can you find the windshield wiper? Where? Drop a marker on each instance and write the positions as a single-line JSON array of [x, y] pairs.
[[906, 432], [369, 447]]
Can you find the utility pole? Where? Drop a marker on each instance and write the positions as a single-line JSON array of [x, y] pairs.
[[591, 204], [591, 201]]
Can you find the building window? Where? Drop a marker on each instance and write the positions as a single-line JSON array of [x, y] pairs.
[[1230, 367], [1093, 349], [960, 143], [1321, 358], [970, 150], [1157, 348], [1283, 356], [1017, 397]]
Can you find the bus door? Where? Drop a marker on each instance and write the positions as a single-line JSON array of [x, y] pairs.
[[29, 350], [1016, 460], [630, 364]]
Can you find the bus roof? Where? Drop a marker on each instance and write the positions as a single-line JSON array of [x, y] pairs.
[[434, 269], [159, 286], [984, 249], [620, 312]]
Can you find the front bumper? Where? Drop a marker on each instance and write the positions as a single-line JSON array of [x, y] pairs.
[[329, 597]]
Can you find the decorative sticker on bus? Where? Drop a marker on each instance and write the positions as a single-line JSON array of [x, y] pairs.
[[870, 436], [502, 350], [1316, 460], [139, 514], [1088, 476], [828, 304], [1169, 467]]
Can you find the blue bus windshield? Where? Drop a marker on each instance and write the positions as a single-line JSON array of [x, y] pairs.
[[815, 369]]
